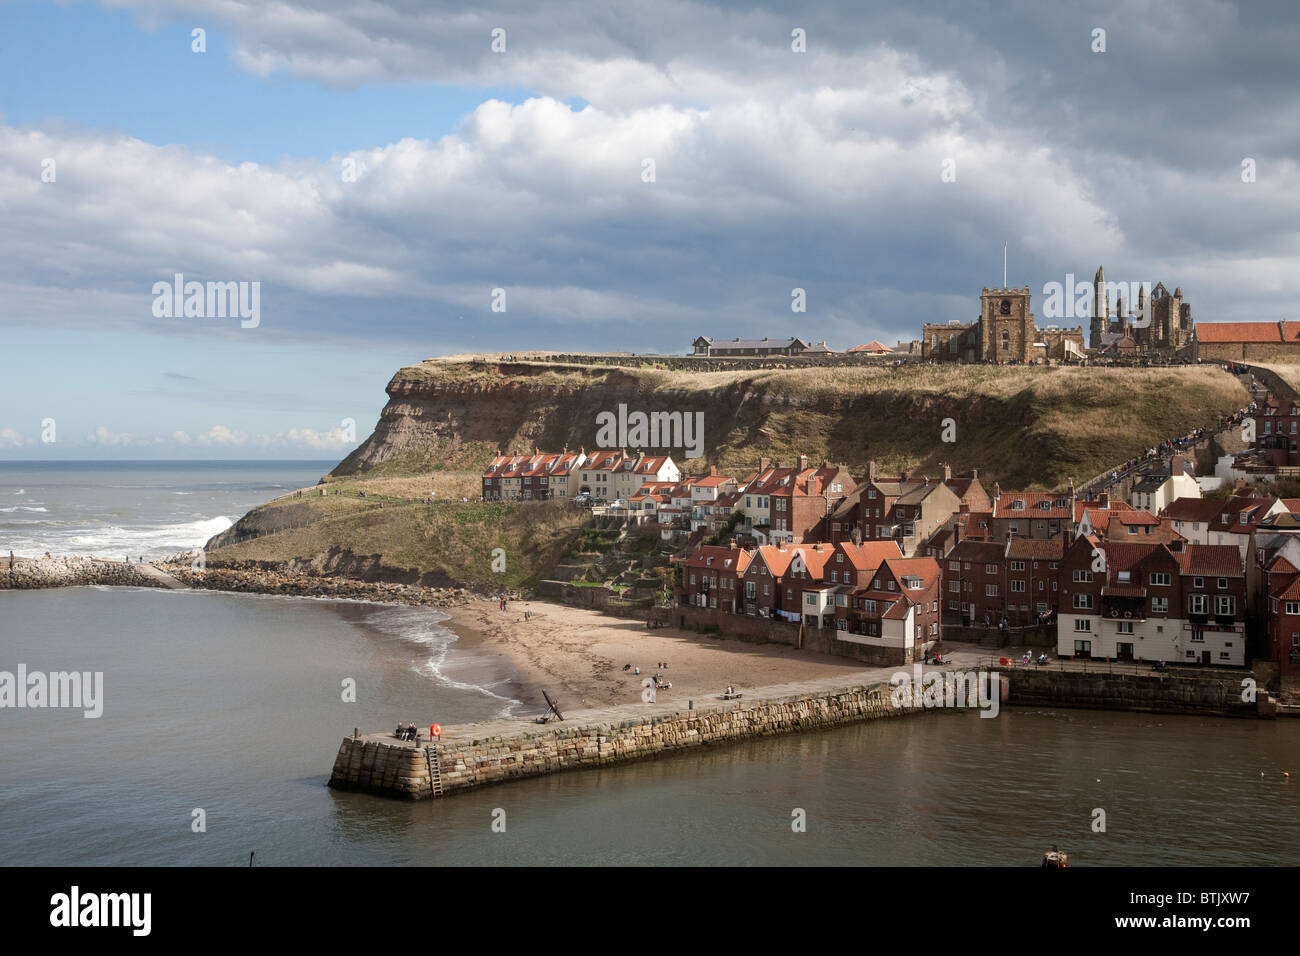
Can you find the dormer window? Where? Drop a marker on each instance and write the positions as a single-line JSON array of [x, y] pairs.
[[1018, 505]]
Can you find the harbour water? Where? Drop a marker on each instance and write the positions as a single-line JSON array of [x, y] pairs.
[[234, 705]]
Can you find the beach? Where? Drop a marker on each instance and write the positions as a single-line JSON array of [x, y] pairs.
[[577, 655]]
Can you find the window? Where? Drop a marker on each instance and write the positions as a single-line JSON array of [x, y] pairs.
[[871, 493], [1160, 579], [1083, 601], [1082, 624], [954, 565], [1123, 577], [841, 600], [991, 569], [1198, 582], [1223, 584], [810, 599], [1017, 565], [954, 587], [1082, 577], [1224, 605], [1125, 627], [952, 606], [1019, 587], [750, 589], [1293, 607], [1160, 605], [1198, 604], [990, 590]]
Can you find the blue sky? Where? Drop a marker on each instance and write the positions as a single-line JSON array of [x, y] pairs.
[[522, 168]]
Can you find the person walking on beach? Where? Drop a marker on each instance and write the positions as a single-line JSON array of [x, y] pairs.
[[11, 560]]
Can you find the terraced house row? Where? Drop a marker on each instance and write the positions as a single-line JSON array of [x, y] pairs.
[[1204, 581]]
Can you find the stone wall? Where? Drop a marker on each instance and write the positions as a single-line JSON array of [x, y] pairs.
[[64, 572], [1157, 693], [387, 767]]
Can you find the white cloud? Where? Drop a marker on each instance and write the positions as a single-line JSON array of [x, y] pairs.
[[103, 436], [11, 439], [222, 435]]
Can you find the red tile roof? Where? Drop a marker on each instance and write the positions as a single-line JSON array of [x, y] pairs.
[[1238, 332], [1211, 560]]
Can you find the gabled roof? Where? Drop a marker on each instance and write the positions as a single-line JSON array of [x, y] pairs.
[[716, 557], [1211, 560], [1032, 505], [872, 346], [1192, 509], [1238, 332], [982, 552], [1037, 549], [870, 554]]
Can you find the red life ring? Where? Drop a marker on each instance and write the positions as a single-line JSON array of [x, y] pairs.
[[435, 730]]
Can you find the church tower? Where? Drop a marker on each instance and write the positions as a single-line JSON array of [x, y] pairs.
[[1006, 326], [1100, 310]]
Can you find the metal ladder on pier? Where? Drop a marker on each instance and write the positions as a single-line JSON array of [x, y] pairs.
[[435, 769]]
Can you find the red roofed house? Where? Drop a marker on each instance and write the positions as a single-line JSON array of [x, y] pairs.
[[712, 575], [801, 500], [1234, 341], [1152, 601], [897, 612]]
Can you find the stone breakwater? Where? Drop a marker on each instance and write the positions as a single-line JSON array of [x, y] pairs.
[[474, 755], [62, 572], [264, 580]]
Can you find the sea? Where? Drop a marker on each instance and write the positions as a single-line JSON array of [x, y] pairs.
[[222, 715]]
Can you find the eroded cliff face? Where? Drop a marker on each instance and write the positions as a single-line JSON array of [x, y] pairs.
[[1027, 427]]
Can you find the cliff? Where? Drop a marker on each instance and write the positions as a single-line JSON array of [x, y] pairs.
[[1028, 427]]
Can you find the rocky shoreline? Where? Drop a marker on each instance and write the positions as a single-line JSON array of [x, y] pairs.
[[261, 579], [72, 571]]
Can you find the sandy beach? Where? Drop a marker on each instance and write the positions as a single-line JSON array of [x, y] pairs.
[[577, 655]]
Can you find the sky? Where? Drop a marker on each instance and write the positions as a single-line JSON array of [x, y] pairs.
[[398, 180]]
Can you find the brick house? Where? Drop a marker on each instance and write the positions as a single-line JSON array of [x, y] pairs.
[[1283, 583], [1032, 574], [897, 612], [973, 585], [711, 577], [1032, 514], [906, 509], [1152, 601], [801, 500]]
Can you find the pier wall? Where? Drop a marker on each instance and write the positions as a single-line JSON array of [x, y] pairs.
[[61, 572], [1154, 693], [374, 764]]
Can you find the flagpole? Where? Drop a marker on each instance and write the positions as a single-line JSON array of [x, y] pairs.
[[1004, 265]]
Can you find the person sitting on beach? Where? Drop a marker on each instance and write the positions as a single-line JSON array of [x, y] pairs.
[[636, 670], [400, 732]]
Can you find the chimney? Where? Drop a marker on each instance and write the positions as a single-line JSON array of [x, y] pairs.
[[1103, 501], [947, 471], [732, 542], [1176, 465], [764, 464], [814, 486], [871, 471], [997, 491], [803, 462], [903, 475], [975, 474], [713, 471], [956, 533]]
